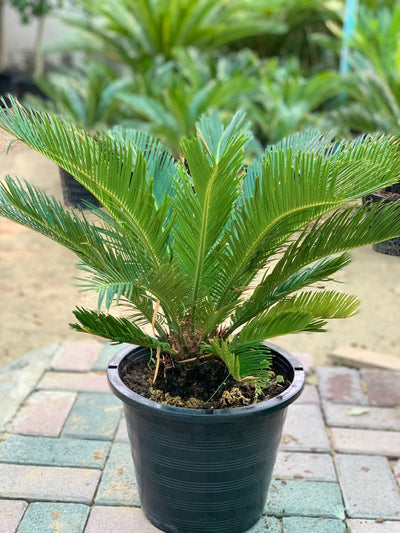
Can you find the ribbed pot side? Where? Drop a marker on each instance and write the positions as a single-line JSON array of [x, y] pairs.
[[203, 470]]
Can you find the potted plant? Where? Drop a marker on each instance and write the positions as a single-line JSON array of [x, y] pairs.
[[180, 245]]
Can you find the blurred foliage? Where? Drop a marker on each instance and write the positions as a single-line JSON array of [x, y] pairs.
[[371, 92], [168, 99], [129, 33], [287, 101], [35, 8], [86, 95], [158, 65]]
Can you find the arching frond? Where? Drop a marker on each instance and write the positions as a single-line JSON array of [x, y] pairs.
[[116, 329]]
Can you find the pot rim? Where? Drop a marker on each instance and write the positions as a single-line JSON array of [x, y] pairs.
[[277, 403]]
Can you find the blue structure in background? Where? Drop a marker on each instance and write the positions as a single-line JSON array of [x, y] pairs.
[[349, 24]]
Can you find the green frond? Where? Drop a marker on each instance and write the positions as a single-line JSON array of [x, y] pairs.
[[291, 190], [250, 362], [115, 172], [298, 313], [306, 260], [160, 163], [220, 348], [28, 206], [116, 329], [264, 296], [204, 197], [255, 362], [275, 324]]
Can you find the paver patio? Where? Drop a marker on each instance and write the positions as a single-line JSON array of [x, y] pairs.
[[65, 462]]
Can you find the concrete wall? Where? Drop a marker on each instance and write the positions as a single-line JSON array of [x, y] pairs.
[[19, 39]]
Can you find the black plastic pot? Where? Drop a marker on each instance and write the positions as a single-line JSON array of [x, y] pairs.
[[25, 85], [7, 85], [75, 194], [391, 246], [203, 470]]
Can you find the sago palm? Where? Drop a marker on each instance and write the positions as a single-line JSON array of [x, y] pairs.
[[181, 242]]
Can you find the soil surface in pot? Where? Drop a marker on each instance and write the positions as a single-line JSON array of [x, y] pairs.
[[202, 384], [389, 193]]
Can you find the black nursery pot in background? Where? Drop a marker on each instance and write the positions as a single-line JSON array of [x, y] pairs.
[[391, 246], [75, 194], [198, 470], [7, 84]]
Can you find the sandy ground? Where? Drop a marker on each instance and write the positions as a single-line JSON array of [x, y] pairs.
[[38, 291]]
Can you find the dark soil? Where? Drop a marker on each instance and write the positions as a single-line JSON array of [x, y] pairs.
[[390, 192], [203, 384]]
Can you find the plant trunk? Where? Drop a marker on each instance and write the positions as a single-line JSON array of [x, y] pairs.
[[39, 58], [2, 58]]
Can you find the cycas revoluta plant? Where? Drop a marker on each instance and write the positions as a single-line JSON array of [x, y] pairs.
[[181, 242]]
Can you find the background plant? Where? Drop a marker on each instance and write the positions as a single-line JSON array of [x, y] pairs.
[[169, 98], [286, 100], [88, 95], [370, 99], [129, 33]]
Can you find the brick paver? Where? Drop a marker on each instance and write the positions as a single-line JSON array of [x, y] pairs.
[[313, 525], [44, 413], [72, 381], [311, 466], [76, 356], [18, 379], [309, 395], [306, 361], [11, 513], [368, 487], [46, 517], [94, 416], [304, 429], [118, 485], [122, 432], [45, 451], [266, 524], [106, 353], [304, 498], [66, 466], [118, 520], [345, 440], [361, 416], [48, 483], [397, 472], [382, 386], [341, 385], [373, 526]]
